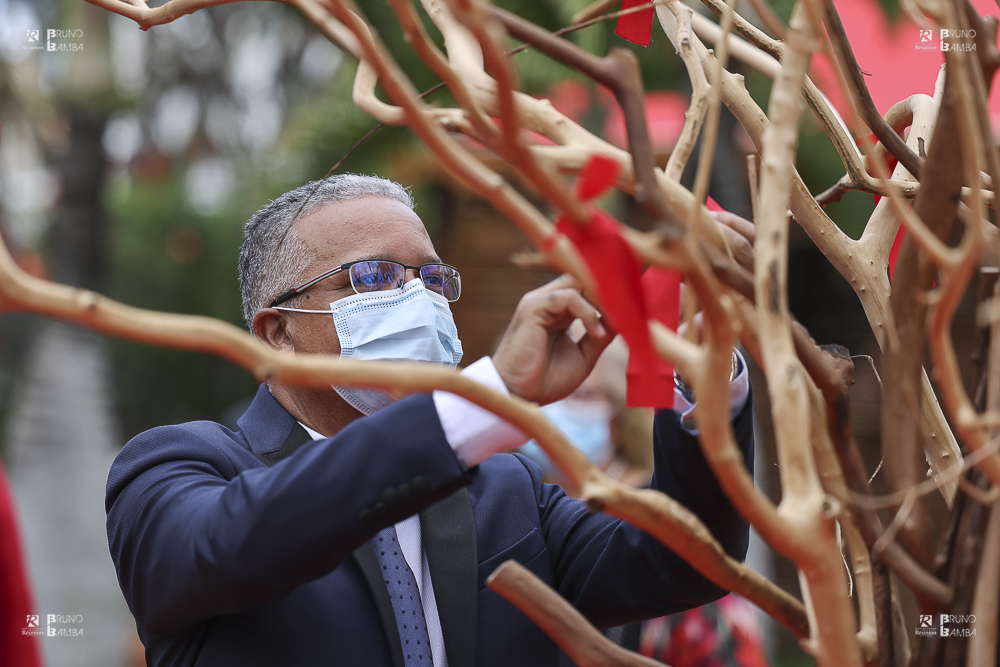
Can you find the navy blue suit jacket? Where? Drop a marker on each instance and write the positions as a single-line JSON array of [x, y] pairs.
[[232, 551]]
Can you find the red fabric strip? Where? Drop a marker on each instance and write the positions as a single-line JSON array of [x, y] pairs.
[[599, 174], [890, 162], [661, 289], [616, 271], [16, 648], [638, 27], [897, 245]]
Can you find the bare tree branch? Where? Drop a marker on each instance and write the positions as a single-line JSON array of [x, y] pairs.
[[863, 98], [833, 622], [585, 646]]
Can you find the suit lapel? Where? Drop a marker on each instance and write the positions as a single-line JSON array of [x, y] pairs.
[[298, 437], [448, 533], [365, 556]]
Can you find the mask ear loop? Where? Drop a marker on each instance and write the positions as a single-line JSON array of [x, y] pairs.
[[303, 310], [329, 311]]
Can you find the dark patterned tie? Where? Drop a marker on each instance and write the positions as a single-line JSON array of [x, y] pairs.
[[405, 599]]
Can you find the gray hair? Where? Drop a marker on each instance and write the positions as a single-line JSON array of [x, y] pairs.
[[273, 255]]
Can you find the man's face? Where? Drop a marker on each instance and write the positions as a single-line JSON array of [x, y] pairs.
[[367, 227]]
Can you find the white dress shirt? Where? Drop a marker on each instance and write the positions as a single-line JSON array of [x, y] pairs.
[[475, 434]]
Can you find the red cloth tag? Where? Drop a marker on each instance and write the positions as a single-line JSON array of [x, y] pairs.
[[638, 27], [599, 174], [616, 271], [890, 162], [661, 289], [897, 245]]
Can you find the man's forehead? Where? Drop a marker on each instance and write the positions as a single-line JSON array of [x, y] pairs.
[[360, 211], [376, 226]]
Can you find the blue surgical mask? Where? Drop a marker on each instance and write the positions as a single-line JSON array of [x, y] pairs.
[[408, 324], [585, 423]]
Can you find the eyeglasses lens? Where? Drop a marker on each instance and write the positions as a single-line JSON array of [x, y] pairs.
[[442, 279], [376, 276]]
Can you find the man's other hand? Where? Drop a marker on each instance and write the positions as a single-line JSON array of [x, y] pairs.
[[740, 233], [537, 358]]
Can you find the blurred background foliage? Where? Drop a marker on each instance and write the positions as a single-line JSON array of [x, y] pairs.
[[203, 121]]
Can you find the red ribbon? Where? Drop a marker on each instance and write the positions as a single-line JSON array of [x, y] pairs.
[[897, 243], [636, 27], [662, 291], [629, 299]]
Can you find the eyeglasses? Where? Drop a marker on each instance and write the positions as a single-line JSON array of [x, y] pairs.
[[377, 275]]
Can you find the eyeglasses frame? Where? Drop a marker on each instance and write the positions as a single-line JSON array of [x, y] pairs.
[[295, 291]]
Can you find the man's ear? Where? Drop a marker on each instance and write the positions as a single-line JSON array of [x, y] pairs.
[[270, 326]]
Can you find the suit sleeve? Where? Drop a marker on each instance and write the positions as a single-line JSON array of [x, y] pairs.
[[616, 574], [192, 539]]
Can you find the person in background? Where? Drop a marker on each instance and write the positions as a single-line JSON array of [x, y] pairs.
[[595, 419]]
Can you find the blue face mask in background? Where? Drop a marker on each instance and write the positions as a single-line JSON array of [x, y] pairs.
[[585, 423], [409, 324]]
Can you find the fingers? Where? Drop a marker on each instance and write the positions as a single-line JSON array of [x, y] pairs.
[[740, 234], [592, 347], [683, 327], [740, 225], [558, 303], [569, 304], [742, 248], [565, 281]]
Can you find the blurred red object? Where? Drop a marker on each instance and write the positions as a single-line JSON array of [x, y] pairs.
[[18, 643], [725, 633]]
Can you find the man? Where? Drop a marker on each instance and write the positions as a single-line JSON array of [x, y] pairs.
[[316, 536]]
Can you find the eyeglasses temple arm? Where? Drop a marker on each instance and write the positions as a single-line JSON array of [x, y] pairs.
[[283, 298]]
